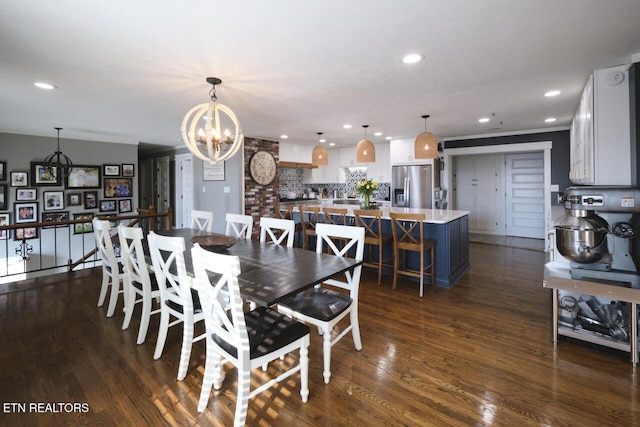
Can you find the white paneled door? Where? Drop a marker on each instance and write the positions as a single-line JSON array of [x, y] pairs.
[[525, 195]]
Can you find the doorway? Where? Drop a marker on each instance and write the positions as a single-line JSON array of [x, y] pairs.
[[525, 195]]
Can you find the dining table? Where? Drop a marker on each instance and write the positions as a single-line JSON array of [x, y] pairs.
[[270, 272]]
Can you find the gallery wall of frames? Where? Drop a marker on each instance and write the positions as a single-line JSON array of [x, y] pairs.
[[44, 194]]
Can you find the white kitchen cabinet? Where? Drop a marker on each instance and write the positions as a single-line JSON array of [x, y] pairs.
[[476, 190], [380, 171], [295, 152], [347, 156], [401, 151], [600, 140]]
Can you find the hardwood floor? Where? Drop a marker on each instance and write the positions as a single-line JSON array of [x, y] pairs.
[[480, 353]]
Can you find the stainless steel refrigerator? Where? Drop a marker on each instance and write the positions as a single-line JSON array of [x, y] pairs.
[[412, 186]]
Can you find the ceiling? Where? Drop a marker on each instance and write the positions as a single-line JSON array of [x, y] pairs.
[[128, 71]]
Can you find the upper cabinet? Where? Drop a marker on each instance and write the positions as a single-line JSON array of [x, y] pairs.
[[380, 171], [601, 131], [295, 153]]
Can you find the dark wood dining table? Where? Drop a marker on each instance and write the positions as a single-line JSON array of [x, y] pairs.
[[270, 273]]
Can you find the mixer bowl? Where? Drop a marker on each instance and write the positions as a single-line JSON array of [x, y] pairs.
[[583, 246]]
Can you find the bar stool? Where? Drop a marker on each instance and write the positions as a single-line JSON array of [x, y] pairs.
[[336, 216], [371, 220], [402, 226], [286, 212], [309, 217]]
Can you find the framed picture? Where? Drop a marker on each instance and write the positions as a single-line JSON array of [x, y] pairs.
[[107, 205], [84, 177], [3, 197], [74, 199], [55, 217], [128, 169], [212, 172], [23, 194], [25, 233], [3, 171], [25, 212], [43, 175], [90, 199], [124, 205], [19, 179], [4, 220], [111, 170], [83, 227], [117, 187], [53, 200]]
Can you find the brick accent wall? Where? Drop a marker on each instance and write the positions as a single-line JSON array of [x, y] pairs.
[[260, 200]]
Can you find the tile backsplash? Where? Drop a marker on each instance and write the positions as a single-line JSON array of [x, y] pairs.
[[292, 179]]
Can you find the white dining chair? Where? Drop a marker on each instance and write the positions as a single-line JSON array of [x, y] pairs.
[[202, 220], [140, 284], [324, 307], [245, 339], [112, 270], [277, 230], [177, 299], [239, 225]]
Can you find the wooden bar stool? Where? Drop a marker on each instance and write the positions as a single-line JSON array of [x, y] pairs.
[[402, 226], [286, 212], [336, 216], [309, 217], [371, 220]]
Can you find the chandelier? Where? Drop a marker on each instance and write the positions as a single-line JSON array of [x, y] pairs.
[[210, 143], [58, 163], [320, 154], [426, 144]]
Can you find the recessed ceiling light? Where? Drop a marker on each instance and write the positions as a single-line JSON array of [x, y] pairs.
[[43, 85], [550, 120], [322, 140], [378, 134], [552, 93], [347, 126], [332, 144], [484, 119], [284, 136], [389, 138], [412, 58]]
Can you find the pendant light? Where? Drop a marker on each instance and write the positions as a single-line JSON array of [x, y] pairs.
[[320, 154], [426, 145], [210, 143], [365, 151], [58, 163]]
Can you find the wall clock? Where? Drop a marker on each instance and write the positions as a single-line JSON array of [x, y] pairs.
[[262, 167]]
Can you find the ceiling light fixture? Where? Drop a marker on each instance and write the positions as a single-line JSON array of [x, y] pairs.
[[484, 119], [58, 161], [347, 126], [412, 58], [209, 143], [426, 144], [43, 85], [284, 136], [320, 155], [378, 134], [552, 93], [550, 120], [365, 150]]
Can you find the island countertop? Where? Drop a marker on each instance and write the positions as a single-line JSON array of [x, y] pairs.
[[432, 216]]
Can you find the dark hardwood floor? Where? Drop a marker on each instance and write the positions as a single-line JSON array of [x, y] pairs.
[[480, 353]]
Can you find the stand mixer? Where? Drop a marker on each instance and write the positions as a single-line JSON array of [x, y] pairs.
[[598, 233]]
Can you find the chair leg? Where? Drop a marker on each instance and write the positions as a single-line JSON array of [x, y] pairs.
[[242, 402], [379, 265], [113, 299], [187, 342], [433, 265], [210, 370], [396, 262], [355, 328], [326, 347], [162, 333], [103, 289], [421, 274], [304, 372], [144, 318], [128, 311]]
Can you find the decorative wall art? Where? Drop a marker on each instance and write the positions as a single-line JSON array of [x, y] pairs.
[[84, 177], [55, 217], [212, 172], [43, 175], [74, 199], [125, 205], [25, 212], [107, 205], [128, 169], [19, 179], [23, 194], [111, 170], [26, 233], [117, 187], [83, 227], [3, 171], [5, 219], [90, 199], [3, 196], [53, 200]]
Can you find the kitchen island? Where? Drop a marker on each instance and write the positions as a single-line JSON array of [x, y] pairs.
[[449, 228]]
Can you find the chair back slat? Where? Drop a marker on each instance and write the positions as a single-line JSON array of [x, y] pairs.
[[133, 256], [102, 233], [371, 220], [202, 220], [402, 226], [336, 216], [277, 230], [167, 254], [239, 225]]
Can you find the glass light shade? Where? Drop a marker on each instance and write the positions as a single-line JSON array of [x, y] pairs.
[[320, 155], [365, 152], [207, 144], [426, 146]]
